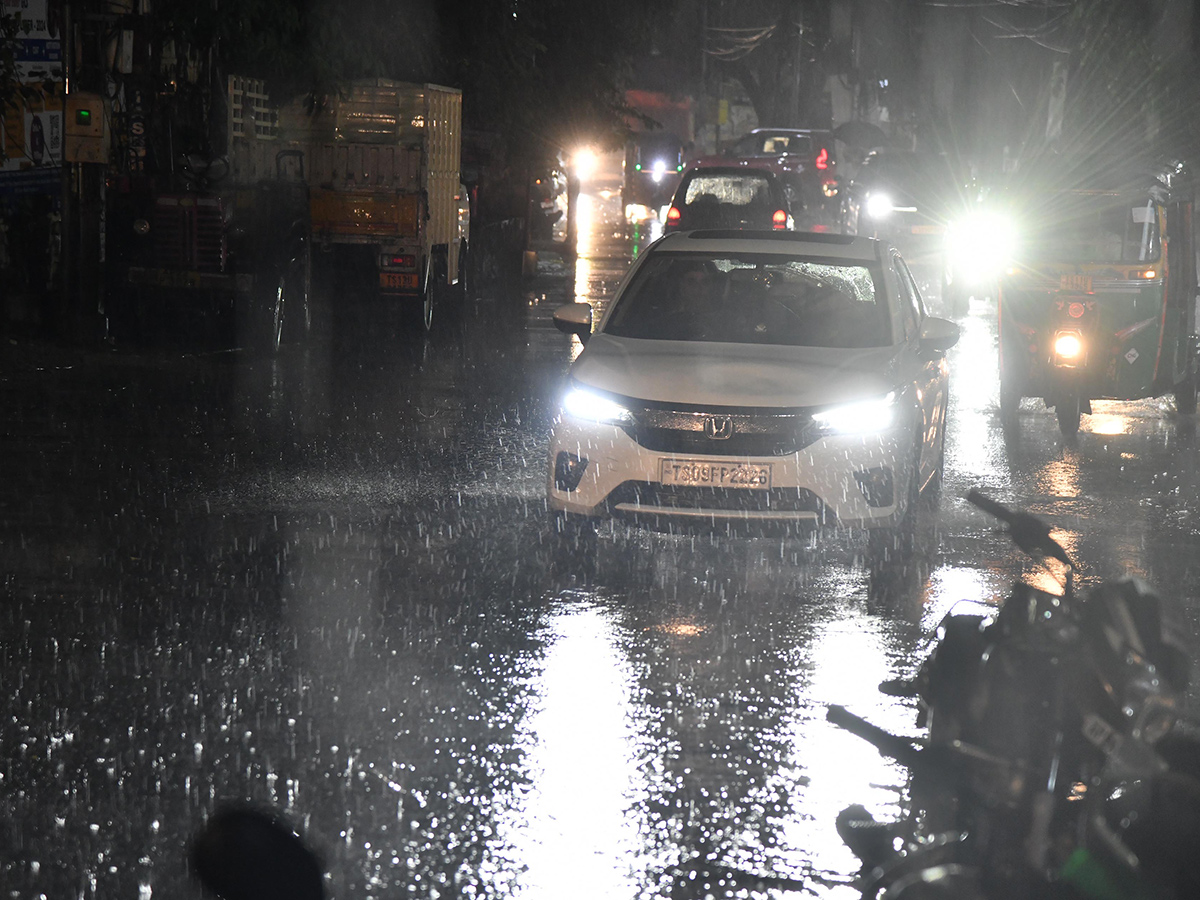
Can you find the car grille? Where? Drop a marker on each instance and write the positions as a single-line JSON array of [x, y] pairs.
[[636, 497], [749, 434]]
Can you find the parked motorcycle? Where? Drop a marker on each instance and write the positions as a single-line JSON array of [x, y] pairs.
[[1053, 765]]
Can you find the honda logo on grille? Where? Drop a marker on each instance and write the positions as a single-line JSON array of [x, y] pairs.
[[718, 428]]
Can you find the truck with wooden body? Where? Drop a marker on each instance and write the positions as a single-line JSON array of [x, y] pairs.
[[382, 164]]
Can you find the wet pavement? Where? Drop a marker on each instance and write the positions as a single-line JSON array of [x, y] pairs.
[[326, 584]]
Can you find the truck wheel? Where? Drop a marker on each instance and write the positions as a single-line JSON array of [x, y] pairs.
[[428, 298], [465, 276], [272, 335], [1185, 394]]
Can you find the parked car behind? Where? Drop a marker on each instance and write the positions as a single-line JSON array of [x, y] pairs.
[[758, 379], [729, 197]]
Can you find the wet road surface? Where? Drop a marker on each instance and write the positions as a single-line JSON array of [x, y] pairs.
[[326, 584]]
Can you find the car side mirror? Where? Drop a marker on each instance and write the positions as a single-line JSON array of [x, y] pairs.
[[938, 335], [576, 319]]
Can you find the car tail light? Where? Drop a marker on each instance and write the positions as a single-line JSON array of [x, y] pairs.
[[823, 159], [673, 215], [778, 219]]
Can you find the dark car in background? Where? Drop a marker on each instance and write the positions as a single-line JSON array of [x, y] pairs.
[[805, 158], [916, 201], [740, 197]]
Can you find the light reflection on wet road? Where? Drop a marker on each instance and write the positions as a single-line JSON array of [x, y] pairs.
[[326, 584]]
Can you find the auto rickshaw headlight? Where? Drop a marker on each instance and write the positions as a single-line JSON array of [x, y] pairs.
[[1068, 348]]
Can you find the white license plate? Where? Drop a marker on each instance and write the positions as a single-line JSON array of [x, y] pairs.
[[695, 473]]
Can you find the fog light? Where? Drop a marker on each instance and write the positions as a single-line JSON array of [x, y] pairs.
[[877, 486], [568, 471], [1068, 349]]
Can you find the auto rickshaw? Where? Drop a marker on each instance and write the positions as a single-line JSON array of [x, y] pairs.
[[1100, 299]]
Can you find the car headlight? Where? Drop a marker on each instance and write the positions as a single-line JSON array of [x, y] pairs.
[[659, 170], [589, 406], [860, 417], [879, 206]]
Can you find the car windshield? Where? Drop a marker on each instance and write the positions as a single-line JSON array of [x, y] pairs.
[[766, 144], [753, 299], [1098, 230], [739, 189]]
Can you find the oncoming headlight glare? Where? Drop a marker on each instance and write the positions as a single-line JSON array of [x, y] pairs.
[[581, 403], [981, 245], [860, 417], [879, 206]]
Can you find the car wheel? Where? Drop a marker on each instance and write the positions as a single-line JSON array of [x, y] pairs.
[[897, 543]]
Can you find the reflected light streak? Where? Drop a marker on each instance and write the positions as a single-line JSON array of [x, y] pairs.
[[1107, 423], [974, 392], [849, 660], [1060, 477], [585, 222], [962, 591], [583, 280], [569, 833]]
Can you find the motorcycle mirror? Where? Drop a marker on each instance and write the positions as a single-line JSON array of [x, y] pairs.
[[243, 854]]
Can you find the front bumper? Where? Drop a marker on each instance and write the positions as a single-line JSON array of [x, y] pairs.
[[849, 480]]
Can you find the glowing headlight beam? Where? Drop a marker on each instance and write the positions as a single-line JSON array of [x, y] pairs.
[[585, 162], [1068, 346], [879, 206], [861, 417], [591, 407]]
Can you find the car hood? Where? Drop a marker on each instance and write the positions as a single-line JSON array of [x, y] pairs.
[[740, 375]]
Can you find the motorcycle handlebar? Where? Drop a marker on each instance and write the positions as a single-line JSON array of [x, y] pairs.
[[885, 742]]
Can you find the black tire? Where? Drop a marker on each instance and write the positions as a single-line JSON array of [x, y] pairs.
[[886, 546], [466, 281], [428, 300], [1068, 409], [1185, 394]]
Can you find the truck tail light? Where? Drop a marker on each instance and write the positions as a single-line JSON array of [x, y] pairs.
[[399, 261]]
